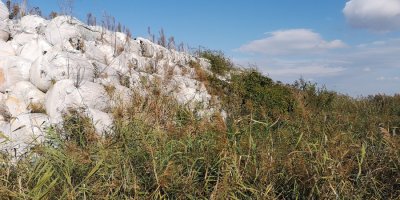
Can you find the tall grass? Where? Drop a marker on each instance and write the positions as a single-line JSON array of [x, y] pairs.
[[278, 142]]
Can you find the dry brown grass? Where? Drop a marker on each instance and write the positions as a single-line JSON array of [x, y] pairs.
[[37, 108], [201, 74], [120, 49], [110, 89], [5, 113]]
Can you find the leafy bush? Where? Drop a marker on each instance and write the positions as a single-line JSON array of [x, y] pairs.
[[314, 97], [251, 93], [219, 63]]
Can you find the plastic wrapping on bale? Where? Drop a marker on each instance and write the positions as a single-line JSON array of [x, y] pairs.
[[23, 132], [34, 49], [32, 23], [64, 28], [28, 93], [102, 121], [6, 49], [20, 39], [12, 70], [147, 49], [15, 106], [4, 31], [64, 95], [4, 13], [57, 65]]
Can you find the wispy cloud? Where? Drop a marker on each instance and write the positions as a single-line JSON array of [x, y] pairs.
[[375, 15], [292, 41], [291, 69], [358, 69], [383, 78]]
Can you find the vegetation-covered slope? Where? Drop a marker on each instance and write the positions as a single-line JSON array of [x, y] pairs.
[[278, 142]]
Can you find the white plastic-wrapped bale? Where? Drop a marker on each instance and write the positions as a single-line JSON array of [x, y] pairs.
[[3, 11], [28, 93], [64, 95], [12, 70], [204, 63], [23, 132], [107, 75], [190, 92], [61, 28], [64, 28], [56, 65], [15, 106], [180, 58], [147, 47], [93, 52], [2, 96], [20, 39], [6, 49], [34, 49], [108, 53], [126, 62], [121, 96], [32, 23], [132, 46], [102, 121], [114, 39], [4, 31]]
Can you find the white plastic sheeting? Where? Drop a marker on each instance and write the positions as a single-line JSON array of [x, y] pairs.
[[15, 106], [63, 28], [4, 31], [12, 70], [3, 11], [34, 49], [31, 23], [20, 39], [6, 49], [190, 92], [58, 65], [103, 122], [23, 132], [28, 93], [64, 95]]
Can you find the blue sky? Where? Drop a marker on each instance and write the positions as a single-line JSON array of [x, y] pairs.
[[350, 46]]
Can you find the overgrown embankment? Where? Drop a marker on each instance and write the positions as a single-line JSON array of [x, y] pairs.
[[277, 142]]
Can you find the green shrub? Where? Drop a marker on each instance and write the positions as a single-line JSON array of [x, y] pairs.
[[250, 92], [314, 97], [219, 63]]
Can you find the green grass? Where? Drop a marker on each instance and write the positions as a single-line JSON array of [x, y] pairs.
[[279, 142]]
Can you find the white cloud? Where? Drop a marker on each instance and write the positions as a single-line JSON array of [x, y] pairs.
[[361, 69], [292, 69], [316, 70], [375, 15], [367, 69], [291, 42], [383, 78]]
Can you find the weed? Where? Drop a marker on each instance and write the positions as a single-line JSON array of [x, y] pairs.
[[5, 113], [37, 108], [219, 63], [201, 75], [110, 89]]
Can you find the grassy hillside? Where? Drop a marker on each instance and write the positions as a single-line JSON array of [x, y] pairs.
[[278, 141]]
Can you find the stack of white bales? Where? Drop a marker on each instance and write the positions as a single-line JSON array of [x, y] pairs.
[[49, 67]]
